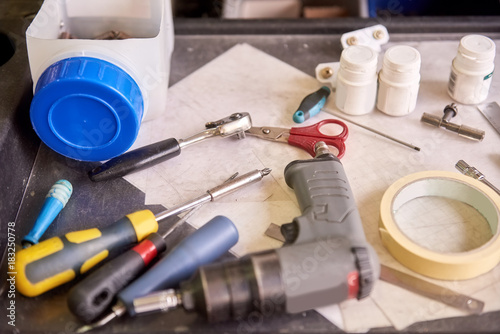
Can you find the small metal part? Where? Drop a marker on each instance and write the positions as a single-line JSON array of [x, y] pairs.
[[430, 290], [449, 112], [321, 149], [373, 37], [413, 147], [353, 40], [270, 133], [235, 124], [473, 172], [378, 34], [157, 301], [274, 231], [117, 311], [326, 72], [492, 113]]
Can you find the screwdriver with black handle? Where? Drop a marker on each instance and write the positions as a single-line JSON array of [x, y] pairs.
[[94, 294], [205, 245], [88, 299], [59, 260]]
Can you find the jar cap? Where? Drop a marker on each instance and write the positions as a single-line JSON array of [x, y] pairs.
[[477, 48], [402, 58], [87, 109], [359, 58]]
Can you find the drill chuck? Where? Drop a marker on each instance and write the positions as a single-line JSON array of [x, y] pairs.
[[235, 289]]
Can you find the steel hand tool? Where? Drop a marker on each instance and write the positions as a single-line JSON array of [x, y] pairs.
[[153, 154], [304, 137]]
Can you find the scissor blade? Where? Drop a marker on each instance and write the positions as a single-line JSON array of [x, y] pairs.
[[269, 133]]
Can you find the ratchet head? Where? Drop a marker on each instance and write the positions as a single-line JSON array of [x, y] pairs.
[[235, 124]]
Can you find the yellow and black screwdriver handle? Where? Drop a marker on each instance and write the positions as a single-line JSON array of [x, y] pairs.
[[58, 260]]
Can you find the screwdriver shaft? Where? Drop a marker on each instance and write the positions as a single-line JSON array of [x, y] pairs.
[[413, 147], [221, 190]]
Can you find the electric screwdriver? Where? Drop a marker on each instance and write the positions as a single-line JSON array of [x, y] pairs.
[[325, 259]]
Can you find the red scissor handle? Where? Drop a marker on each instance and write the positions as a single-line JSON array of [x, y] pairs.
[[306, 137]]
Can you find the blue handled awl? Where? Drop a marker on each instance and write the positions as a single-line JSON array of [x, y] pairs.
[[55, 201], [202, 247], [311, 105]]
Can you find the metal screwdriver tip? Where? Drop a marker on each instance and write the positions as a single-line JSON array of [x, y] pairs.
[[462, 166], [118, 310], [468, 170], [265, 171]]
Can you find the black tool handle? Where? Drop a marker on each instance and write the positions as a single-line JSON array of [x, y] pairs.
[[92, 296], [136, 160]]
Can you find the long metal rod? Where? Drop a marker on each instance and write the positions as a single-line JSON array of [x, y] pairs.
[[372, 130]]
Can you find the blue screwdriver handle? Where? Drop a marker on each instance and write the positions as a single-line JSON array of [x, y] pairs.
[[202, 247], [311, 105], [55, 201]]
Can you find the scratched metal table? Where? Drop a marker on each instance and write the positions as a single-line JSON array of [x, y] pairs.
[[30, 168]]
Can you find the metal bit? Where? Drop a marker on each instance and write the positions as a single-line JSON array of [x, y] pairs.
[[161, 301], [117, 311], [473, 172], [212, 194], [451, 111]]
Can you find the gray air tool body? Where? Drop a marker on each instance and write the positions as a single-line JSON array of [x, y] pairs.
[[325, 260]]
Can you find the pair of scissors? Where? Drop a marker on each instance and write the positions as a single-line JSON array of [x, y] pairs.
[[304, 137]]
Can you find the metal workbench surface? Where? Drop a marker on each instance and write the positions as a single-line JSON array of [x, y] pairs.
[[29, 167]]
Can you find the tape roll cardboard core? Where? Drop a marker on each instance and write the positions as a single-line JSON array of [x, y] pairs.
[[449, 266]]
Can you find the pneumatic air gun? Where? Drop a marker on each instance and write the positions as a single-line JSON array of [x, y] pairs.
[[325, 260]]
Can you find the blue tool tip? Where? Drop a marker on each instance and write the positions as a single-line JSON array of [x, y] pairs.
[[299, 116]]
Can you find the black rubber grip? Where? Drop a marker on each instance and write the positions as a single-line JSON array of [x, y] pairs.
[[136, 160], [91, 297]]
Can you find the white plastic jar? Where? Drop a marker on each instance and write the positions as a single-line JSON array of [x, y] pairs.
[[357, 80], [472, 69], [91, 95], [399, 81]]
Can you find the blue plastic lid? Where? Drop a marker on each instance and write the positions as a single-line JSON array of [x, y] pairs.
[[87, 109]]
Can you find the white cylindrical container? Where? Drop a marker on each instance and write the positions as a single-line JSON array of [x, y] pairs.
[[91, 94], [472, 69], [399, 81], [357, 80]]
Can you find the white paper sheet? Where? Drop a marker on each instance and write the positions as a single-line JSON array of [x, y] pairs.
[[245, 79]]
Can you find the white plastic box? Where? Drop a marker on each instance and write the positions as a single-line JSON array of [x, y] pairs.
[[139, 65]]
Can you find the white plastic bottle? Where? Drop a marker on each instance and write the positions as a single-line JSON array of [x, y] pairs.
[[91, 95], [472, 69], [399, 81], [357, 80]]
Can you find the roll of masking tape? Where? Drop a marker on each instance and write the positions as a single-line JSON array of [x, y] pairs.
[[447, 266]]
